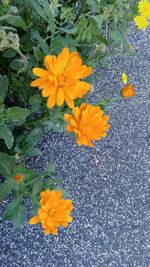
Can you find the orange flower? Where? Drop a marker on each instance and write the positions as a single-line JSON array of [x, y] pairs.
[[53, 212], [18, 178], [60, 81], [128, 91], [88, 123]]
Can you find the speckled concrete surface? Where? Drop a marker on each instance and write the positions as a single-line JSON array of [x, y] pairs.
[[111, 226]]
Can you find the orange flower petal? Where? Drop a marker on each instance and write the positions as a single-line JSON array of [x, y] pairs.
[[52, 198], [60, 97], [77, 113], [73, 123], [62, 60], [81, 88], [51, 101], [34, 220], [59, 194], [73, 64], [40, 72], [47, 231], [38, 82], [50, 64], [67, 117], [49, 222], [82, 72], [83, 106], [69, 101], [70, 128], [45, 92], [48, 91], [54, 231], [64, 224]]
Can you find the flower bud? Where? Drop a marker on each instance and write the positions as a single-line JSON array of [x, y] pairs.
[[128, 91]]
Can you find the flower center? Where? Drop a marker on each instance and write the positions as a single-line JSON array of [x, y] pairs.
[[58, 81], [51, 212], [18, 178], [61, 80]]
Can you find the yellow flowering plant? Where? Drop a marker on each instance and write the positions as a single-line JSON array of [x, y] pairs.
[[142, 20], [49, 51]]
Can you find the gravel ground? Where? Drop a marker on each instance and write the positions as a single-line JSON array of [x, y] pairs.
[[111, 225]]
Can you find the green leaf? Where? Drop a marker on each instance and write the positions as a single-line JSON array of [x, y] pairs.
[[37, 7], [26, 144], [6, 135], [31, 151], [94, 4], [36, 35], [38, 54], [59, 42], [50, 169], [51, 23], [16, 64], [35, 101], [69, 30], [35, 204], [4, 17], [34, 136], [1, 111], [3, 87], [102, 39], [37, 186], [56, 122], [16, 114], [17, 21], [6, 164], [5, 189], [1, 118], [84, 34], [98, 19], [89, 36], [21, 217], [117, 36], [12, 209], [9, 53]]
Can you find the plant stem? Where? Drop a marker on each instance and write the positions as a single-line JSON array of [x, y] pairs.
[[109, 100], [83, 4]]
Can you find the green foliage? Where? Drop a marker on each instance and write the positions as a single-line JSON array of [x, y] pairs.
[[29, 30], [6, 165], [12, 209], [16, 115], [20, 217], [9, 117], [49, 170], [31, 184], [5, 189], [6, 135], [17, 21], [4, 87]]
